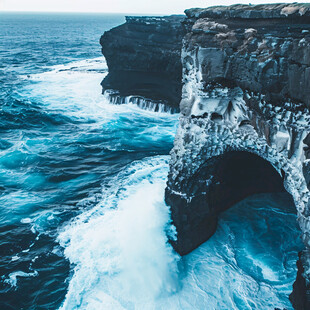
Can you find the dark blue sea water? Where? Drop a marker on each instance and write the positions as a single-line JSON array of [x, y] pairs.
[[83, 221]]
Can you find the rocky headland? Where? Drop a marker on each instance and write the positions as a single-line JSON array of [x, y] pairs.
[[241, 78]]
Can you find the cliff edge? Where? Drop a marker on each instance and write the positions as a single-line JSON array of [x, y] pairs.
[[144, 58]]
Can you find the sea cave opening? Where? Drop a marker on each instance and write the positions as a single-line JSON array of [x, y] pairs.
[[239, 174], [238, 201], [247, 198], [219, 183]]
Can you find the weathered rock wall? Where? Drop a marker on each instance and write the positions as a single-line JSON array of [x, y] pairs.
[[144, 58], [268, 53], [245, 94], [245, 70]]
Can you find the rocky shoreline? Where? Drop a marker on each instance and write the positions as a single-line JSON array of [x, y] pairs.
[[244, 72]]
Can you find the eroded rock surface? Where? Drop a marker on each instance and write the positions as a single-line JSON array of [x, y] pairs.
[[259, 48], [144, 58], [245, 93], [246, 88]]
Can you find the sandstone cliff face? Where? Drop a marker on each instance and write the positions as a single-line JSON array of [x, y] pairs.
[[144, 58]]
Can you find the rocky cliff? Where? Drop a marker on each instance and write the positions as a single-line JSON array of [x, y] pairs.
[[264, 49], [144, 58], [244, 122]]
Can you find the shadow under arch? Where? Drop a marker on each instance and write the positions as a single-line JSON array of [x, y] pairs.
[[219, 183], [239, 174]]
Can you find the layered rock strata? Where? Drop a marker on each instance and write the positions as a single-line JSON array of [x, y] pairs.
[[144, 58]]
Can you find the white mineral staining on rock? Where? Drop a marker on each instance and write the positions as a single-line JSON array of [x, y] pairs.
[[244, 89], [293, 9], [206, 25]]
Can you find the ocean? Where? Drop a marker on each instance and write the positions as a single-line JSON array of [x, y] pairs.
[[83, 223]]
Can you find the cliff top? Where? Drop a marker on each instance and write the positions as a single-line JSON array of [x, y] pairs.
[[154, 19], [261, 11]]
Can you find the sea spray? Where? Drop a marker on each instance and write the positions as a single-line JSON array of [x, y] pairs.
[[121, 248], [122, 260]]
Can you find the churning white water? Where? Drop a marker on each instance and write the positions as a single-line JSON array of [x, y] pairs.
[[120, 247], [123, 261]]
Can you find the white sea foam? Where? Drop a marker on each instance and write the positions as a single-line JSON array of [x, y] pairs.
[[75, 90], [122, 260], [120, 247], [72, 90], [119, 250], [12, 280]]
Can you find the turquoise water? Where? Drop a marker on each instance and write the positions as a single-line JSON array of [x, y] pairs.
[[83, 223]]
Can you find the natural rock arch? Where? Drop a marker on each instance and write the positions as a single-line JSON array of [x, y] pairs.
[[221, 117], [198, 189], [195, 170]]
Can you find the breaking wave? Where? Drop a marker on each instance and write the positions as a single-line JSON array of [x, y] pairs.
[[122, 259]]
